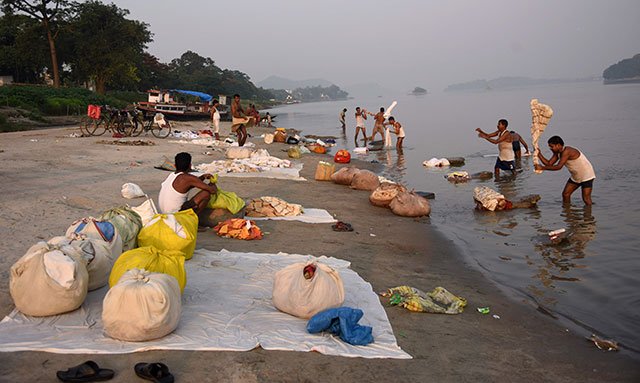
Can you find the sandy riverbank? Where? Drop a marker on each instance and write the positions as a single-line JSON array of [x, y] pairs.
[[49, 179]]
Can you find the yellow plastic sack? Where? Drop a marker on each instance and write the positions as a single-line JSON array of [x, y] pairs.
[[159, 234], [226, 200], [437, 301], [324, 170], [170, 262]]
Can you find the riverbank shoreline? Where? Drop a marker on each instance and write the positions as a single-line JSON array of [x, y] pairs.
[[52, 178]]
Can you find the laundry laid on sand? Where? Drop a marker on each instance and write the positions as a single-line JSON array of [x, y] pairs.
[[260, 164], [226, 306]]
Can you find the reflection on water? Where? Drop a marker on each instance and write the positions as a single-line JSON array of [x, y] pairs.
[[562, 259], [395, 166]]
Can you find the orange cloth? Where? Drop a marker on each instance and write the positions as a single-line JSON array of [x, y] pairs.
[[238, 228]]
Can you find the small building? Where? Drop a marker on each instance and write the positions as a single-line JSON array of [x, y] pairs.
[[6, 80]]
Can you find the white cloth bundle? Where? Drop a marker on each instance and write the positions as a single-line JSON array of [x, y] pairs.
[[303, 298], [158, 118], [488, 197], [540, 116], [436, 162], [96, 253], [142, 306], [146, 210], [45, 281], [131, 190], [91, 230], [238, 152]]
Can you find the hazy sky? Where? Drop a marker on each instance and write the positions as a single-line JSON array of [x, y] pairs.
[[397, 44]]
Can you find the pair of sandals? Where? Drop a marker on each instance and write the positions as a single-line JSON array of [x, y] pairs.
[[342, 226], [89, 371]]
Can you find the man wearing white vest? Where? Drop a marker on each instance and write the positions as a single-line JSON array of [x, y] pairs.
[[173, 193]]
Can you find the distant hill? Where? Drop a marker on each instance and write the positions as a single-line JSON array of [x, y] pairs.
[[276, 82], [511, 82], [627, 70]]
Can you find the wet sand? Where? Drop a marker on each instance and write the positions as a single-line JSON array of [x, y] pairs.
[[50, 179]]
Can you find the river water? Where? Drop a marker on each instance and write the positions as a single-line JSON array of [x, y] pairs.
[[590, 281]]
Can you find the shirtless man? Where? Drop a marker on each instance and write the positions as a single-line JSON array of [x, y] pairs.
[[378, 126], [343, 116], [506, 157], [398, 130], [238, 120], [516, 141], [174, 189], [215, 119], [361, 115], [582, 173]]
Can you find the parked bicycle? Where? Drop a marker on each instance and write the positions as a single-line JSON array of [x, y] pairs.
[[101, 119], [158, 125]]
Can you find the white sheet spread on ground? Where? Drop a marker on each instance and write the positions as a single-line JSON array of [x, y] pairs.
[[307, 216], [248, 168], [226, 306]]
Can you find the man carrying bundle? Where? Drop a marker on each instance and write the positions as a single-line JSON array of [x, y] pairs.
[[582, 173]]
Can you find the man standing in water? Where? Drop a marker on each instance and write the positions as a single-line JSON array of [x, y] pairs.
[[343, 116], [239, 120], [378, 126], [506, 157], [360, 117], [581, 170], [399, 131], [517, 140]]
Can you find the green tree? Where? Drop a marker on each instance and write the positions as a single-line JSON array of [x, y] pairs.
[[108, 48], [49, 13], [627, 68], [23, 49]]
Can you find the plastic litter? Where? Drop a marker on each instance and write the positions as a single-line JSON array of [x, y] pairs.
[[438, 300], [483, 310]]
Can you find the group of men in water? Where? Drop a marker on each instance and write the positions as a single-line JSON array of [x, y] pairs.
[[581, 170], [379, 126]]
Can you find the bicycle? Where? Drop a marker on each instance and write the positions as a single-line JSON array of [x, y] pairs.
[[111, 119], [158, 125]]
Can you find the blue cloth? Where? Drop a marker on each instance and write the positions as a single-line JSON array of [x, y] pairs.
[[343, 322], [106, 229], [203, 96]]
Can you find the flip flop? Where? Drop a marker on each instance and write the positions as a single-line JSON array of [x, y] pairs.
[[342, 226], [88, 371], [155, 372]]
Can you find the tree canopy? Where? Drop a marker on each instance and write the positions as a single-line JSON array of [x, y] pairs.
[[625, 69], [93, 43]]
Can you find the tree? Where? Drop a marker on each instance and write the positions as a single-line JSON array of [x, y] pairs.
[[108, 48], [624, 69], [48, 13], [23, 49]]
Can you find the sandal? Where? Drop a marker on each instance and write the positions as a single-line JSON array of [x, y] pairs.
[[156, 372], [88, 371], [342, 226]]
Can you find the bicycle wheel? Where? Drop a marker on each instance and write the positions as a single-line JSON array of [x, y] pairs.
[[138, 128], [127, 128], [161, 131], [84, 124], [96, 128]]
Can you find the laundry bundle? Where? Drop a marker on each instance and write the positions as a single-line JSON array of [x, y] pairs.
[[174, 231], [46, 281], [142, 306], [272, 207], [410, 204], [94, 252], [365, 180], [385, 193], [170, 262], [127, 223], [238, 228], [93, 228], [305, 289], [344, 176]]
